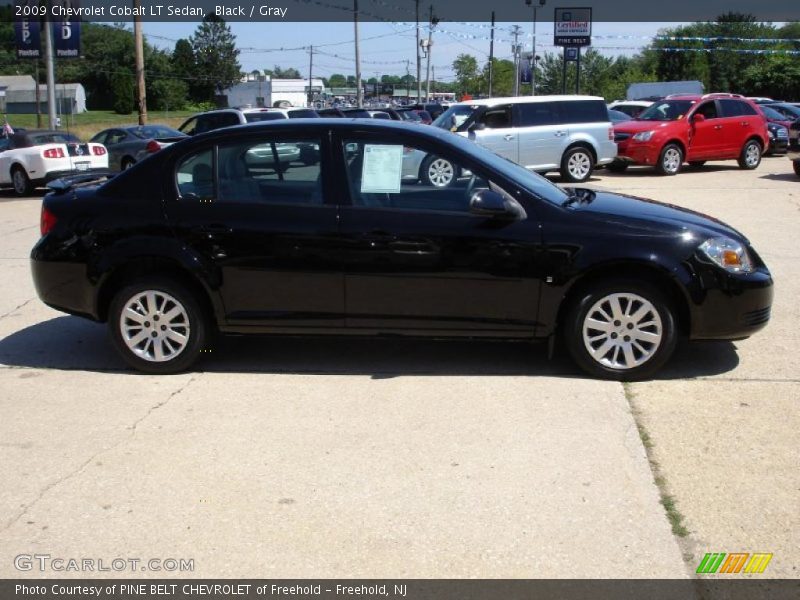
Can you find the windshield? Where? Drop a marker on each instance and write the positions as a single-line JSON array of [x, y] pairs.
[[254, 117], [667, 110], [788, 108], [454, 117], [155, 131], [772, 114], [533, 182]]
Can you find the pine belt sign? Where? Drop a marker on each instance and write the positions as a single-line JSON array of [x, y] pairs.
[[32, 16], [573, 27]]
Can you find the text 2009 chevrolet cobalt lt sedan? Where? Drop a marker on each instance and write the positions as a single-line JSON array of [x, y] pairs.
[[206, 235]]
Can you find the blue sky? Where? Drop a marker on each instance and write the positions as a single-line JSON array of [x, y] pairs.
[[386, 46]]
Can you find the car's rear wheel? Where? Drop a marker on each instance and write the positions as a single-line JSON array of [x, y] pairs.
[[157, 326], [670, 160], [20, 181], [438, 172], [622, 330], [577, 165], [750, 156], [127, 163]]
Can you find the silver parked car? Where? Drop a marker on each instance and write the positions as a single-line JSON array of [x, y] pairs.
[[569, 134], [129, 144]]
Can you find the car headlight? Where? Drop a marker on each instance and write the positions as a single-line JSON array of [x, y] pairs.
[[728, 254], [643, 136]]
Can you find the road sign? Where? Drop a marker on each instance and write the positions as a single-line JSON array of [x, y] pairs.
[[573, 27], [67, 33], [27, 37]]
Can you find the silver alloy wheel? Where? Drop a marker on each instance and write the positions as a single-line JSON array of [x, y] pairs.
[[579, 165], [440, 172], [752, 154], [622, 331], [154, 326], [20, 182], [672, 160]]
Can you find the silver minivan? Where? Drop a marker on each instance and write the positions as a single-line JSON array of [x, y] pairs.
[[569, 134]]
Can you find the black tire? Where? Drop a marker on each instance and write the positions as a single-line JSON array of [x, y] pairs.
[[796, 165], [670, 160], [618, 166], [577, 165], [607, 364], [127, 163], [20, 182], [750, 156], [197, 330], [437, 177], [696, 164]]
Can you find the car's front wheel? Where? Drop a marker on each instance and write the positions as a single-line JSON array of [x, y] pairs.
[[670, 160], [750, 156], [622, 330], [157, 326], [577, 164], [20, 181], [438, 172]]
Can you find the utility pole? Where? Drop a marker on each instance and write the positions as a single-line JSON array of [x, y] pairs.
[[359, 92], [433, 78], [533, 45], [419, 59], [310, 73], [428, 62], [38, 99], [138, 41], [408, 77], [51, 76], [515, 48], [491, 58]]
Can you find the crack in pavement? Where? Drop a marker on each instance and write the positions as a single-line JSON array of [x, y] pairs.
[[76, 472], [13, 310]]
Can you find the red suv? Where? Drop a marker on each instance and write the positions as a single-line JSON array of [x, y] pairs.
[[692, 129]]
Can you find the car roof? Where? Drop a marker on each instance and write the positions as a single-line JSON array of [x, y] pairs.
[[524, 100]]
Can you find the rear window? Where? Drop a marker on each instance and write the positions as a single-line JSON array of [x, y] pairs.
[[584, 111], [255, 117], [303, 114], [36, 139]]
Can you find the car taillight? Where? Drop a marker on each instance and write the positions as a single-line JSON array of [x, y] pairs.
[[152, 146], [47, 221], [98, 150], [611, 133], [53, 153]]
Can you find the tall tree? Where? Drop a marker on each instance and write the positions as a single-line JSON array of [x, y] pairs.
[[466, 72], [216, 56]]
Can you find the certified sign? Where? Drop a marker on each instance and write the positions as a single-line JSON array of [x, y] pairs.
[[573, 27]]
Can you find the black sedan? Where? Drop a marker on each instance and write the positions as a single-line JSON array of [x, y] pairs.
[[207, 236]]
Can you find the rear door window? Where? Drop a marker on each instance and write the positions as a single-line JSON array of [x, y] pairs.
[[497, 117], [583, 111]]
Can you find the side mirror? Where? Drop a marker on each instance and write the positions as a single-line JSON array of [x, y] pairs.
[[698, 118], [488, 203]]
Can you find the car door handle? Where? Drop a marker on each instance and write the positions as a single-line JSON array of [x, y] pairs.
[[745, 123], [508, 137], [717, 126], [560, 133]]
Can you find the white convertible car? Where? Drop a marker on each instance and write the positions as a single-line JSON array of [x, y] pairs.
[[32, 158]]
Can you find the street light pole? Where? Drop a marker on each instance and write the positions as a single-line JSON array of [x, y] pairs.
[[533, 45], [359, 93]]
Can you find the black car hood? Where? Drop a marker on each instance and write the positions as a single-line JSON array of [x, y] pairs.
[[631, 213]]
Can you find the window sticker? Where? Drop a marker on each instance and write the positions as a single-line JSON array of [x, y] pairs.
[[382, 169]]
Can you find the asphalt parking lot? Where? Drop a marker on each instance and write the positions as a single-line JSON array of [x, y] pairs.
[[343, 458]]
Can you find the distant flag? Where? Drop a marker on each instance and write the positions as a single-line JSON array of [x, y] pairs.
[[7, 129]]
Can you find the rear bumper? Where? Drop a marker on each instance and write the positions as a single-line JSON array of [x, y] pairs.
[[62, 285]]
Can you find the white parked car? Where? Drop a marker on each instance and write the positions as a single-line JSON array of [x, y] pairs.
[[632, 108], [33, 158], [569, 134]]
